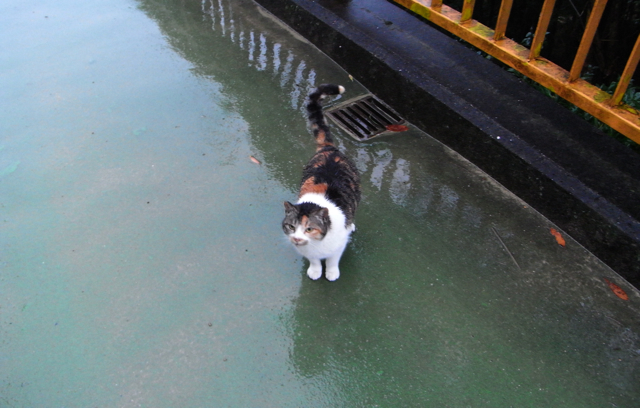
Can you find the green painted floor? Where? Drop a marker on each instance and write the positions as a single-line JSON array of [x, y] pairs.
[[142, 262]]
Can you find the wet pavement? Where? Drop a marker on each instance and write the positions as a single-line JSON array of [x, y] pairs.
[[142, 261]]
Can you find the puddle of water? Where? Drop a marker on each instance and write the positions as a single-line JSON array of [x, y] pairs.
[[142, 262]]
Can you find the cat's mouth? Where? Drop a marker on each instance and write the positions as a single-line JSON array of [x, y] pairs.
[[299, 242]]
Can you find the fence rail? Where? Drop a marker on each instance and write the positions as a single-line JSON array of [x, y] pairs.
[[567, 84]]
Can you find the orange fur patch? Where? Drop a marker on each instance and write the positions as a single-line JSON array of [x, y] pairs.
[[310, 186], [321, 140], [314, 233]]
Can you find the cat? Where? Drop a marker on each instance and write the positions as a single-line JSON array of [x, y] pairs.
[[320, 223]]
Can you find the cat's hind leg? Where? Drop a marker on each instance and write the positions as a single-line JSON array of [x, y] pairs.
[[315, 269]]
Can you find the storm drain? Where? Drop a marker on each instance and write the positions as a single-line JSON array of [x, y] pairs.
[[364, 117]]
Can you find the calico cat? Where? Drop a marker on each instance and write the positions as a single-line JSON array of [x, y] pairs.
[[320, 224]]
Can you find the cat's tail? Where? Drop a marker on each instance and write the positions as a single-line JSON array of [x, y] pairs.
[[321, 131]]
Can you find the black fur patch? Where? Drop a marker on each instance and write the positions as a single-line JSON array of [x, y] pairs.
[[332, 167], [314, 109], [328, 166]]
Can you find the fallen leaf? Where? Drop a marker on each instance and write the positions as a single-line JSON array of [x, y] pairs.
[[559, 238], [351, 78], [253, 159], [617, 290], [397, 128]]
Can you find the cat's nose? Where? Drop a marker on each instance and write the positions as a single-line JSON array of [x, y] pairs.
[[298, 241]]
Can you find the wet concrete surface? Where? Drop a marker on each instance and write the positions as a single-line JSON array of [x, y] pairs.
[[142, 261]]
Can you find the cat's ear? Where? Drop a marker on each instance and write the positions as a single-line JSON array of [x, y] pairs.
[[288, 207], [324, 213]]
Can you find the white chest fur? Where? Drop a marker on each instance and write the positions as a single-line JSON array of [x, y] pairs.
[[336, 239]]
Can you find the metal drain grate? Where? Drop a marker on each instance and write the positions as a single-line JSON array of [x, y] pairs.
[[364, 117]]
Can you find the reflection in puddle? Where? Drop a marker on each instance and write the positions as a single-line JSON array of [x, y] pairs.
[[287, 70], [252, 46], [276, 58], [295, 95], [380, 164], [401, 183], [362, 159], [262, 59], [448, 200], [296, 77]]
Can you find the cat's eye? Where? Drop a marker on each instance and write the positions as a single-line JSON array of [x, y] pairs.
[[290, 227], [309, 229]]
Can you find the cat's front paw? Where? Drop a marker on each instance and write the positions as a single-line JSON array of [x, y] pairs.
[[333, 274], [314, 272]]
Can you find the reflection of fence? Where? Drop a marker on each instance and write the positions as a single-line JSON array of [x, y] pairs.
[[567, 85], [262, 53]]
